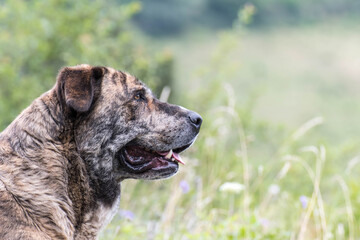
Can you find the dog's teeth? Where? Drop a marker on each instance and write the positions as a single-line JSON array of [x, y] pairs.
[[169, 155], [173, 159]]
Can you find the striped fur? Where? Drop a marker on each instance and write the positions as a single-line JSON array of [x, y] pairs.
[[59, 171]]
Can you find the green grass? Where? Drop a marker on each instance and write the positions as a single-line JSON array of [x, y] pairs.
[[281, 110]]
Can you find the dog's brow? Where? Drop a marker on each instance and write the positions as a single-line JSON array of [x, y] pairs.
[[140, 90]]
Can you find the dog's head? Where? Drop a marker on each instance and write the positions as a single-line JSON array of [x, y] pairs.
[[120, 128]]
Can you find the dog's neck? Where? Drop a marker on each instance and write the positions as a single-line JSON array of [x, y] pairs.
[[43, 139], [94, 197]]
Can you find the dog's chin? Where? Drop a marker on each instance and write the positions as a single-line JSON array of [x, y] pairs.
[[143, 163]]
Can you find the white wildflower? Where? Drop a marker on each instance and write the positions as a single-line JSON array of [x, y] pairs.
[[232, 187], [340, 231], [274, 189], [260, 170]]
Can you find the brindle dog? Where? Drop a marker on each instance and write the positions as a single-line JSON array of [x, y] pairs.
[[63, 158]]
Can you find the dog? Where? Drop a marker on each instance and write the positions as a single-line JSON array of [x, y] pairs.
[[63, 158]]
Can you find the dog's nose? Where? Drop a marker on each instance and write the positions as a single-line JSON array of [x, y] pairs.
[[195, 119]]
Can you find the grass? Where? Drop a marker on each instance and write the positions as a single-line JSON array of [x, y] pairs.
[[281, 111]]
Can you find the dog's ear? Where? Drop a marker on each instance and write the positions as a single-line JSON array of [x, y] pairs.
[[76, 85]]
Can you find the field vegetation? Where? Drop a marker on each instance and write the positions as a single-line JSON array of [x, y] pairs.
[[279, 151]]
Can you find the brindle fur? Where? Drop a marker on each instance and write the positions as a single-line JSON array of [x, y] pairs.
[[59, 175]]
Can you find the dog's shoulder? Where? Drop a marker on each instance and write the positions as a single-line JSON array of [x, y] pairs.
[[15, 223], [33, 190]]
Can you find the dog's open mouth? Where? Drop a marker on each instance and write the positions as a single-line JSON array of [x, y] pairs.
[[138, 159]]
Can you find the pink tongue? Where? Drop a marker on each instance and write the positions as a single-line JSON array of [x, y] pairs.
[[176, 156]]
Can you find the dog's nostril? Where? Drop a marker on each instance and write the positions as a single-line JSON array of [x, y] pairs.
[[195, 119]]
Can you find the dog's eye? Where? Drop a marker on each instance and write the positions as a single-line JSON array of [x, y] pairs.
[[139, 96]]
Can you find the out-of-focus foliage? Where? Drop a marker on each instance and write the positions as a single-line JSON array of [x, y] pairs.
[[173, 16], [294, 11], [37, 38], [159, 17], [224, 11]]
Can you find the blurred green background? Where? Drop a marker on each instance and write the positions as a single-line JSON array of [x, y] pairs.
[[277, 83]]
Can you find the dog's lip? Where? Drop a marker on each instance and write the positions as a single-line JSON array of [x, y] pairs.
[[138, 160], [183, 148], [169, 155], [138, 155]]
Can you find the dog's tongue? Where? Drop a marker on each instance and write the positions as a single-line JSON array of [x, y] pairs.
[[178, 158], [175, 155]]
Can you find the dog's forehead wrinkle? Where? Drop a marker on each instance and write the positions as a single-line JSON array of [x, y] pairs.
[[123, 81], [115, 77]]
